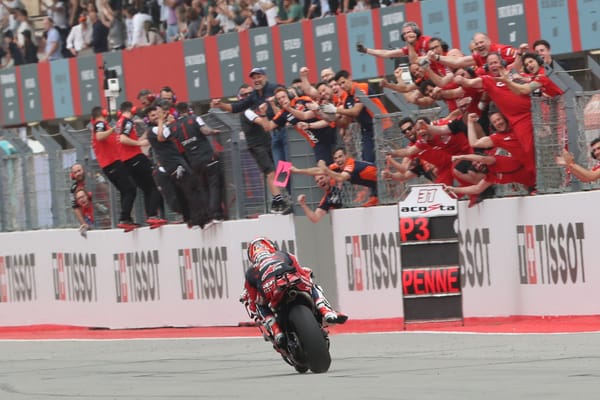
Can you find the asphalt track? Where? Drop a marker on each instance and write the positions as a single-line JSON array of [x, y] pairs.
[[393, 365]]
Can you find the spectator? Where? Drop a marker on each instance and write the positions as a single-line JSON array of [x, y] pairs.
[[332, 199], [80, 37], [5, 60], [136, 162], [52, 50], [584, 175], [58, 12], [117, 33], [542, 48], [355, 109], [192, 133], [182, 22], [290, 12], [106, 149], [483, 46], [345, 168], [185, 184], [322, 8], [194, 21], [411, 35], [265, 12], [23, 25], [152, 34], [83, 200], [80, 208], [128, 13], [75, 9], [30, 49], [225, 16], [172, 32], [138, 38], [258, 141], [244, 16], [12, 49], [100, 31], [8, 15]]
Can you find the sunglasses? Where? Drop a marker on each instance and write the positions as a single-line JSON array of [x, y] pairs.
[[407, 129]]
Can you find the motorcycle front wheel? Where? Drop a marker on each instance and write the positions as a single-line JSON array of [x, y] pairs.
[[311, 338]]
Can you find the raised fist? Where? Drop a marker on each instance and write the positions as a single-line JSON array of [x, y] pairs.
[[361, 48]]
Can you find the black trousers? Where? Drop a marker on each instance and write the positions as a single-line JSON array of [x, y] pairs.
[[210, 175], [193, 200], [140, 169], [118, 174]]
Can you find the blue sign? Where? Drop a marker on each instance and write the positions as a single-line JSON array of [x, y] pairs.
[[32, 105], [589, 23], [61, 88], [327, 51], [194, 58], [436, 21], [470, 20], [555, 26], [360, 29], [229, 59], [512, 25]]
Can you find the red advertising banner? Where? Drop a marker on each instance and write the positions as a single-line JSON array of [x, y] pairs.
[[153, 67]]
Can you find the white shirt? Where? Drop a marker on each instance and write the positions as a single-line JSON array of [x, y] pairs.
[[80, 37], [59, 16], [25, 26], [138, 37]]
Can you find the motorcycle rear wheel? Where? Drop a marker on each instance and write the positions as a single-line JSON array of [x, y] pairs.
[[311, 338]]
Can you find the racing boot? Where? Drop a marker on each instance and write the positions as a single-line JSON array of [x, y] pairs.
[[331, 316], [273, 327]]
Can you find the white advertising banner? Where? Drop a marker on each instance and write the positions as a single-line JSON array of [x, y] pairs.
[[367, 254], [172, 276], [518, 256], [531, 256]]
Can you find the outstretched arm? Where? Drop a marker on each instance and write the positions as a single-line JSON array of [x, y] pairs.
[[584, 175], [314, 216]]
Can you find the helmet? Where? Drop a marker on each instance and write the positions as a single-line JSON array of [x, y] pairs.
[[260, 248]]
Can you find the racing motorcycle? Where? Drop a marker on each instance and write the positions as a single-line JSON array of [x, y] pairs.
[[306, 344]]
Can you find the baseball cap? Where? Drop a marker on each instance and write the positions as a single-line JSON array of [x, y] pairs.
[[257, 70]]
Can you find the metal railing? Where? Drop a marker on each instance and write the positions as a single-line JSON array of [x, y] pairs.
[[35, 186]]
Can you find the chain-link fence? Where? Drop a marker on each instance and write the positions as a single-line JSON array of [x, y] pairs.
[[551, 137], [587, 111], [35, 187]]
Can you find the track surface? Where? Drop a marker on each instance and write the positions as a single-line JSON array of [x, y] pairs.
[[474, 325], [100, 364]]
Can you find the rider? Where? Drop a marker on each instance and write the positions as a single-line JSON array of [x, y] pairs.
[[268, 262]]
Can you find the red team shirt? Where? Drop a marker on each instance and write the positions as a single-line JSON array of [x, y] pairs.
[[107, 150], [421, 46], [508, 54], [125, 126]]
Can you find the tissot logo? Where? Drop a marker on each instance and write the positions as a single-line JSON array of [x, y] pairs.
[[474, 257], [203, 273], [283, 245], [373, 261], [551, 253], [17, 278], [136, 276], [74, 277]]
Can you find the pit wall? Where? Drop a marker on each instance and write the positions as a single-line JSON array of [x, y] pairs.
[[519, 256]]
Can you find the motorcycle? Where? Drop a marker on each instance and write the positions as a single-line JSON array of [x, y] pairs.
[[306, 344]]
